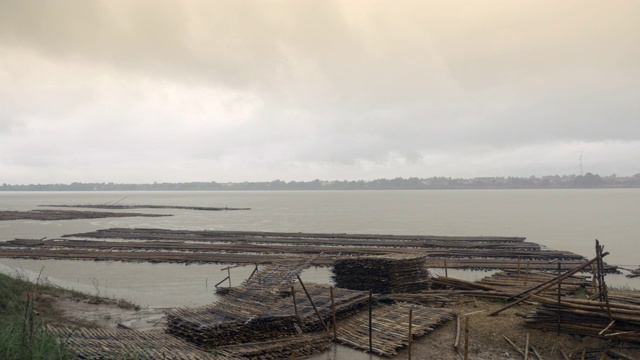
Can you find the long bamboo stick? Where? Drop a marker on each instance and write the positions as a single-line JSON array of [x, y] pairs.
[[540, 288]]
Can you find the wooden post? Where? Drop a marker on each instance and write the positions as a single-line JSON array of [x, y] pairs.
[[333, 316], [559, 295], [314, 306], [295, 306], [526, 347], [526, 275], [466, 338], [542, 287], [229, 275], [446, 273], [370, 321], [410, 334], [519, 258], [456, 342]]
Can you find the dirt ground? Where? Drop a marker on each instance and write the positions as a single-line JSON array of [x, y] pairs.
[[67, 310], [486, 339], [486, 333]]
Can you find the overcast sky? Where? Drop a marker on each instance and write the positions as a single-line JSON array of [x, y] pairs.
[[143, 91]]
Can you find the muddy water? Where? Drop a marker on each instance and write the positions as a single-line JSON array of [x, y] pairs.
[[560, 219]]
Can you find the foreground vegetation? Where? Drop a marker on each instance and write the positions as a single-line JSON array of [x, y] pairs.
[[22, 330]]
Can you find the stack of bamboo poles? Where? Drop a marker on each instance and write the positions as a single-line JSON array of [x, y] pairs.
[[120, 344], [587, 317], [345, 303], [390, 327], [291, 347], [240, 316], [634, 273], [382, 274]]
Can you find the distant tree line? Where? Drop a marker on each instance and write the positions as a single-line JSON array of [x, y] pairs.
[[588, 180]]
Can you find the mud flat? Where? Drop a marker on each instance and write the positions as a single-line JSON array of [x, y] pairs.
[[53, 215]]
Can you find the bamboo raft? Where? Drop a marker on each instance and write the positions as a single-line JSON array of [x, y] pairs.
[[390, 325], [182, 246], [52, 215], [382, 274], [128, 207], [119, 343]]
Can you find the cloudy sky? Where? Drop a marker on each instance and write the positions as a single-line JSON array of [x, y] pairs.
[[143, 91]]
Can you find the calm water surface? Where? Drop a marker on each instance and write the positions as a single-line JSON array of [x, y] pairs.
[[560, 219]]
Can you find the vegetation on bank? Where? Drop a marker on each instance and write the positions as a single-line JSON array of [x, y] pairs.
[[22, 330]]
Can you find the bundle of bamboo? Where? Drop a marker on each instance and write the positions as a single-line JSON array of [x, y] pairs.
[[382, 274], [120, 344], [610, 320], [291, 347], [389, 326]]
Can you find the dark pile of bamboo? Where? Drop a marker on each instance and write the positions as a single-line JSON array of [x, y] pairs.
[[433, 298], [517, 281], [120, 344], [390, 327], [382, 274], [634, 273], [609, 320], [345, 303], [291, 347], [244, 315]]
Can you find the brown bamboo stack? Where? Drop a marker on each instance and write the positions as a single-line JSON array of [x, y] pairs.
[[300, 346], [382, 274], [117, 344], [613, 321], [390, 327]]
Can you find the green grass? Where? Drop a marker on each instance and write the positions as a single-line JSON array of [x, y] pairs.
[[22, 333]]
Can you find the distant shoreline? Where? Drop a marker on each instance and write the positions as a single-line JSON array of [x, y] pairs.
[[587, 181]]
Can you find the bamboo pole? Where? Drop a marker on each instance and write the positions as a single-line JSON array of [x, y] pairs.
[[559, 295], [410, 334], [314, 305], [519, 258], [526, 347], [370, 321], [544, 286], [456, 343], [229, 275], [333, 316], [445, 268], [526, 275]]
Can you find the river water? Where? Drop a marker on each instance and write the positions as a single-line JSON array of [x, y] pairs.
[[559, 219]]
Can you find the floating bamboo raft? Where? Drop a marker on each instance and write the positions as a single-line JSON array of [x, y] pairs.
[[382, 274], [390, 327], [51, 215], [128, 207], [117, 343], [181, 246]]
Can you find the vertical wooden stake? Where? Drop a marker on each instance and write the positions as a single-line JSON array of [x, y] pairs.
[[519, 258], [229, 273], [526, 347], [333, 315], [206, 283], [293, 294], [446, 273], [526, 275], [559, 293], [410, 334], [466, 338], [293, 355], [370, 321]]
